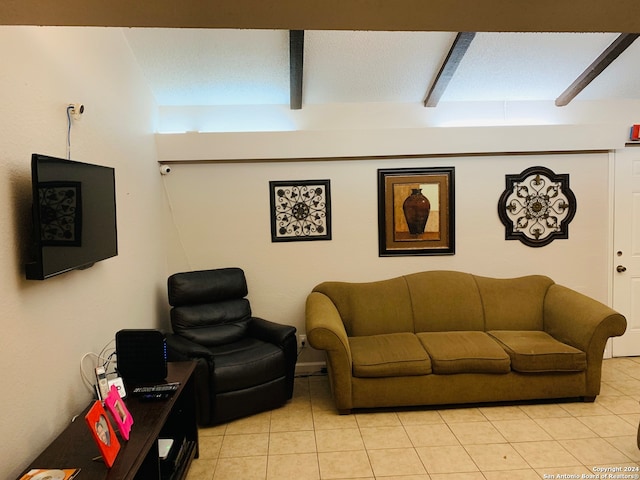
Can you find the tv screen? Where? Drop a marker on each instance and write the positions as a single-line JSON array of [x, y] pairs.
[[74, 215]]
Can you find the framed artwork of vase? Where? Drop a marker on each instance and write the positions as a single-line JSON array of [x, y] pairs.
[[416, 211], [300, 210]]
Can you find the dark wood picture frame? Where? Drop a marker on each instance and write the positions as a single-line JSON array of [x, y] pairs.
[[400, 231], [537, 206], [300, 210]]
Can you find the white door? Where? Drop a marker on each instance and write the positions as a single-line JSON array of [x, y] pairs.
[[626, 254]]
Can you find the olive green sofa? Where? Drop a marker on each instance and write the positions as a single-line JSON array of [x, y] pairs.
[[444, 337]]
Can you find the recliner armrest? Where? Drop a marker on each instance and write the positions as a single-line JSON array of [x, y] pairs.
[[268, 331], [180, 348]]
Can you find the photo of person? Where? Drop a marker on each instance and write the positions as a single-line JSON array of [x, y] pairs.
[[103, 433], [103, 430]]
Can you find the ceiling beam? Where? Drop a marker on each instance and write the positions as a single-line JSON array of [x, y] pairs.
[[405, 15], [605, 59], [454, 57], [296, 64]]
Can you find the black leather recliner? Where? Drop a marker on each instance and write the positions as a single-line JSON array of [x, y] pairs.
[[245, 364]]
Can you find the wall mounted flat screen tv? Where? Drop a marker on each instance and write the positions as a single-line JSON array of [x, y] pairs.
[[74, 216]]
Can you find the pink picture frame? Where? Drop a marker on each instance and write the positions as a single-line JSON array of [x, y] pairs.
[[119, 412]]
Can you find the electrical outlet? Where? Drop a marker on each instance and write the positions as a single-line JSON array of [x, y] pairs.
[[302, 341]]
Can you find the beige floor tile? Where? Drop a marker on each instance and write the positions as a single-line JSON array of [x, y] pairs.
[[631, 418], [259, 423], [408, 477], [395, 461], [499, 456], [340, 440], [521, 430], [447, 459], [331, 421], [245, 445], [431, 435], [334, 465], [627, 444], [476, 433], [209, 447], [293, 467], [608, 425], [545, 410], [526, 474], [245, 468], [607, 389], [385, 437], [457, 476], [545, 454], [503, 413], [294, 420], [378, 419], [620, 405], [583, 409], [292, 442], [215, 430], [460, 415], [594, 451], [564, 428], [420, 417], [201, 469]]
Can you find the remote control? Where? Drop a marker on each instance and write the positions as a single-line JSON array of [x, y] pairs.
[[165, 388]]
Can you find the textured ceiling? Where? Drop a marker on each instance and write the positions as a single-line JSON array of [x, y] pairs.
[[190, 67]]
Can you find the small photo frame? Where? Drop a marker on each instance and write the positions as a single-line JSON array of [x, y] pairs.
[[300, 210], [103, 433], [416, 211], [119, 412]]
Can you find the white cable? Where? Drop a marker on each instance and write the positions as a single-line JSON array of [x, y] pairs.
[[69, 108]]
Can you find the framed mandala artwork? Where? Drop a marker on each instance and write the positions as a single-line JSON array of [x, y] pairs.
[[537, 206], [300, 210]]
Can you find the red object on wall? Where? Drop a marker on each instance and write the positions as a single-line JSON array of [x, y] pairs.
[[635, 132]]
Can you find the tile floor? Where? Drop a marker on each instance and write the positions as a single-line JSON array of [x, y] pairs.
[[307, 440]]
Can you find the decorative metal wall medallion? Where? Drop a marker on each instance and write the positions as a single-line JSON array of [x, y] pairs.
[[537, 206], [300, 210]]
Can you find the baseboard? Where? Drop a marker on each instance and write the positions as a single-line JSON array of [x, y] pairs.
[[309, 368]]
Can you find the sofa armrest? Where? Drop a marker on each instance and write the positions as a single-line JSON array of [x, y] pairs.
[[269, 331], [284, 336], [326, 331], [182, 349], [584, 323]]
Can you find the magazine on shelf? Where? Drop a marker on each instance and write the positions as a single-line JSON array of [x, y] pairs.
[[103, 433], [51, 474]]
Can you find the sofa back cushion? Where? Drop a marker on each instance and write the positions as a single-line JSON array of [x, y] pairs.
[[513, 303], [373, 308], [445, 301]]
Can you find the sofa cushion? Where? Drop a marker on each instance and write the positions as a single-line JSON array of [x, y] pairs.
[[372, 308], [513, 303], [445, 301], [537, 351], [464, 352], [389, 355]]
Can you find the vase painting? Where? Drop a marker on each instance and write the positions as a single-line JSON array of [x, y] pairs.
[[416, 208]]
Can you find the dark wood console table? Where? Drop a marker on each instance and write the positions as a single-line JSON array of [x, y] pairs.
[[138, 457]]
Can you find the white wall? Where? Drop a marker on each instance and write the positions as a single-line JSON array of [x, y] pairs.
[[222, 218], [48, 325]]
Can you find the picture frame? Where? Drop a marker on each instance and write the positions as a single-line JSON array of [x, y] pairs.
[[119, 412], [103, 433], [416, 211], [537, 206], [300, 210]]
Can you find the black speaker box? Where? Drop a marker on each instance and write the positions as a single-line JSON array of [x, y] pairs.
[[142, 355]]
